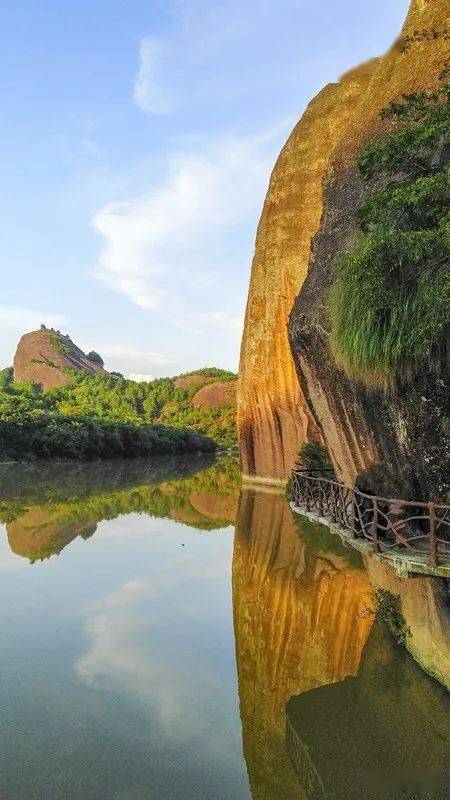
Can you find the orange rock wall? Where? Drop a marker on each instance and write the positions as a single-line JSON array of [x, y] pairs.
[[215, 394], [273, 418], [363, 427], [424, 606]]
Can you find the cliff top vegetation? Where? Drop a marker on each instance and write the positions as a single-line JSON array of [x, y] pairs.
[[390, 299]]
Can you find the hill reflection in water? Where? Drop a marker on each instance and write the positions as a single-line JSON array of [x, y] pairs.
[[47, 507]]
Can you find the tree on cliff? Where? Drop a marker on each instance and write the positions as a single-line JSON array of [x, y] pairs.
[[389, 302], [95, 358]]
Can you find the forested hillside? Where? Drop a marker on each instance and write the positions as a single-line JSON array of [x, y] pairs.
[[106, 415]]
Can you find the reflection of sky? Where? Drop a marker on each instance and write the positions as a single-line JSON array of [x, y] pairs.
[[8, 559], [119, 669]]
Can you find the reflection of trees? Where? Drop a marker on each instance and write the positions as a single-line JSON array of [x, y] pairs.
[[384, 733], [46, 509], [299, 623]]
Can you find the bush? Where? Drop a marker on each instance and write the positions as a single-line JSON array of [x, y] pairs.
[[95, 358], [314, 456], [76, 438], [104, 415], [389, 302], [388, 611]]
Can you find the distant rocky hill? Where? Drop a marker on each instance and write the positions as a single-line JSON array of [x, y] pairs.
[[188, 381], [46, 357], [215, 394]]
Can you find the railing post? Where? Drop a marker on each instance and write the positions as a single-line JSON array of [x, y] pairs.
[[433, 537], [350, 508], [320, 509], [340, 508], [301, 490], [376, 543], [353, 516]]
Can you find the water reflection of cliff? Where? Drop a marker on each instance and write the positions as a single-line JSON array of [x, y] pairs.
[[300, 622], [383, 734], [45, 508]]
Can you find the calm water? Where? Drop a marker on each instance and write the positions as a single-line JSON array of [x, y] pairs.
[[167, 636]]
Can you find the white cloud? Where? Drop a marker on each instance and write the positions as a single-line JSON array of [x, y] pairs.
[[133, 354], [27, 319], [141, 377], [215, 323], [186, 227], [148, 91]]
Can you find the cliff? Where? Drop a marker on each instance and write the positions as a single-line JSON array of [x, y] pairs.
[[45, 355], [40, 533], [273, 417], [424, 606], [363, 427], [188, 381], [299, 623]]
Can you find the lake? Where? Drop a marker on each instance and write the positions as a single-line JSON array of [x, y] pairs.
[[169, 635]]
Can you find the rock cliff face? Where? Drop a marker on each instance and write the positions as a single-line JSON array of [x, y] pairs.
[[215, 394], [299, 623], [273, 417], [43, 355], [363, 427], [424, 606], [188, 381], [40, 533]]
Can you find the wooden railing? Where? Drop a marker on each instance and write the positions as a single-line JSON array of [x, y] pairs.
[[390, 524]]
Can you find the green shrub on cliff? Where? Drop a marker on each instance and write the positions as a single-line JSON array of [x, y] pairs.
[[389, 611], [95, 358], [389, 303], [313, 456]]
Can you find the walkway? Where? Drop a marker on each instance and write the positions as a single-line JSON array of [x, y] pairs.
[[414, 536]]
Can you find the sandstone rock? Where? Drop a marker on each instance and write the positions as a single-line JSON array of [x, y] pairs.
[[218, 507], [43, 355], [188, 381], [215, 394], [273, 417], [424, 606], [363, 427]]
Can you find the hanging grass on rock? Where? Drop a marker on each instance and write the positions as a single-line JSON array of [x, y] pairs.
[[389, 302]]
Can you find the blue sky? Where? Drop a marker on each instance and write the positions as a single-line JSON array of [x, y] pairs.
[[136, 145]]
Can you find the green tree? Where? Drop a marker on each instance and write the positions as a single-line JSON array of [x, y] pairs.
[[106, 416]]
